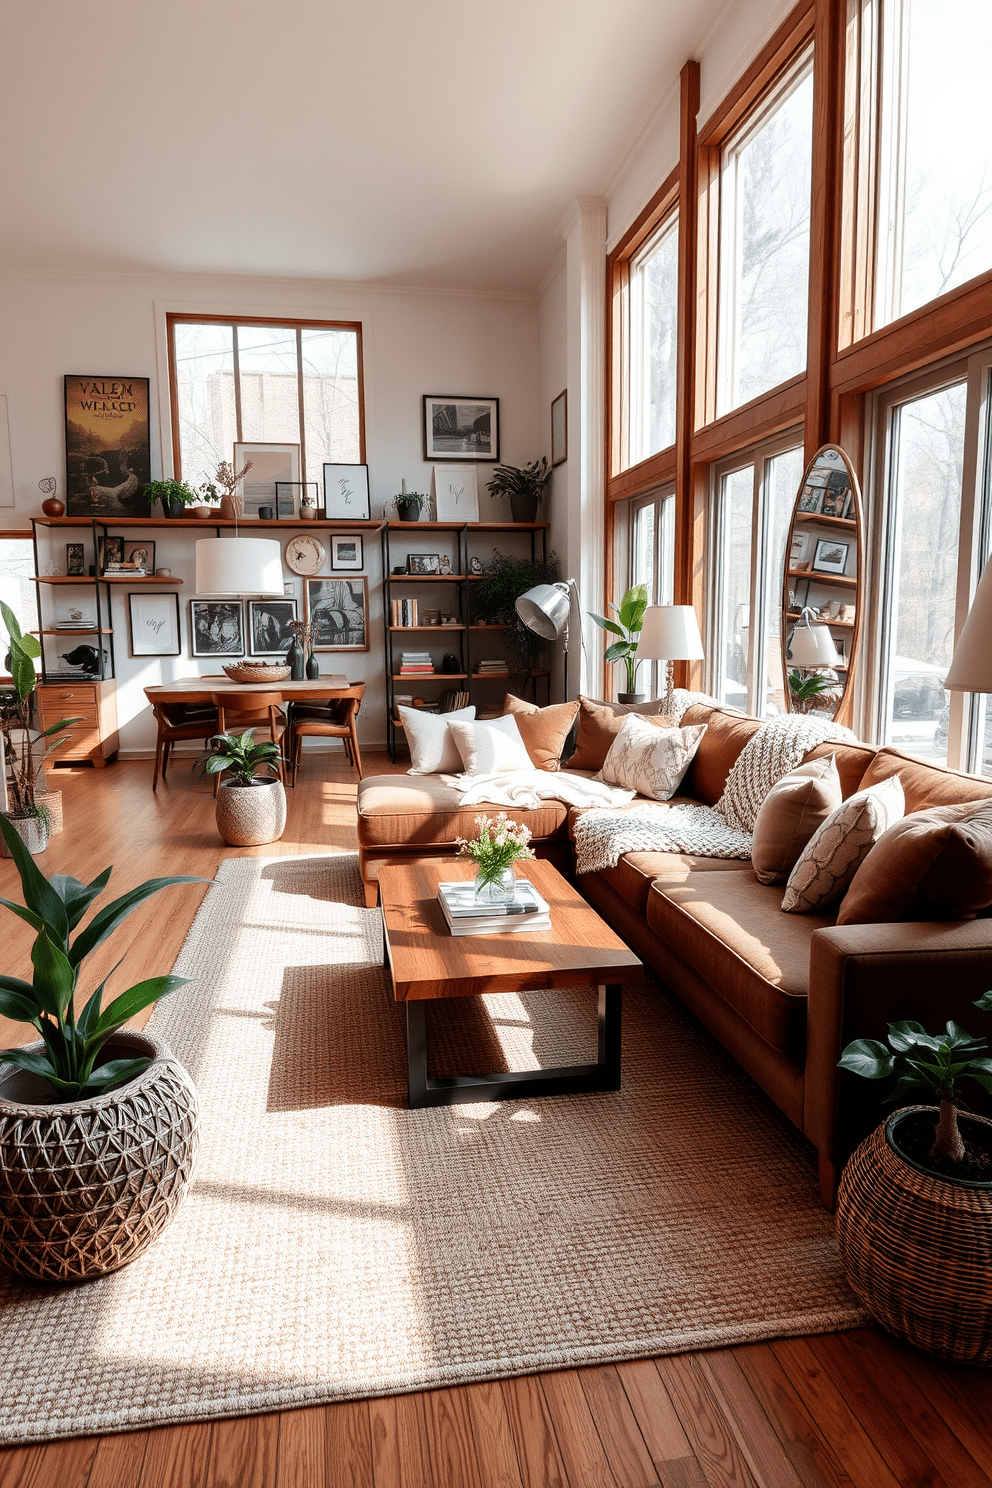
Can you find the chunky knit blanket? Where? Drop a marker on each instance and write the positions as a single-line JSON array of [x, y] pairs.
[[721, 831]]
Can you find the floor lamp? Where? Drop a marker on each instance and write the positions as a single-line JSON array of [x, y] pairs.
[[669, 633], [546, 609]]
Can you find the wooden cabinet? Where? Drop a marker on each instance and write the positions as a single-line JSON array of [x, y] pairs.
[[95, 736]]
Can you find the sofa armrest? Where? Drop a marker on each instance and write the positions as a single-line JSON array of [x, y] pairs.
[[863, 977]]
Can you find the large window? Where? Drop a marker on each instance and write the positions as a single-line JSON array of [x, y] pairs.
[[653, 328], [764, 250], [645, 544], [17, 565], [293, 383]]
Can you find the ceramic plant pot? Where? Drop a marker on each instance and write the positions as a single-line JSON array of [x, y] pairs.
[[524, 508], [32, 831], [250, 815], [410, 512], [86, 1186], [627, 698]]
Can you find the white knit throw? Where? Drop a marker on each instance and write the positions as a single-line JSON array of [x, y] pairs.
[[721, 831]]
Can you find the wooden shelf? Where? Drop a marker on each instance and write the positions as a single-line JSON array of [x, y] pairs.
[[459, 526], [425, 578], [821, 578], [429, 676], [73, 630], [847, 522], [106, 579], [299, 523], [841, 624], [427, 627]]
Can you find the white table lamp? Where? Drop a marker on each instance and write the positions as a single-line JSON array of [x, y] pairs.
[[239, 565], [669, 633], [971, 665]]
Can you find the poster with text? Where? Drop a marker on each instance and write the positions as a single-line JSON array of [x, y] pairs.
[[107, 450]]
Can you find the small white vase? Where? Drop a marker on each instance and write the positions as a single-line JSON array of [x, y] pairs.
[[498, 891]]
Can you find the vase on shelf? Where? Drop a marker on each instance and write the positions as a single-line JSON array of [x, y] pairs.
[[495, 891], [313, 668], [296, 661]]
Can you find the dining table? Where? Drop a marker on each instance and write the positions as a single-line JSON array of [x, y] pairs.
[[202, 689]]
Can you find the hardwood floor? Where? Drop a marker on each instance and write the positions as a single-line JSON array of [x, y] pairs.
[[847, 1410]]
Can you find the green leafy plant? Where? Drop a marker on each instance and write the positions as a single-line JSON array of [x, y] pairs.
[[242, 756], [15, 721], [167, 491], [935, 1064], [627, 625], [806, 687], [520, 480], [494, 600], [500, 842], [407, 499], [54, 907]]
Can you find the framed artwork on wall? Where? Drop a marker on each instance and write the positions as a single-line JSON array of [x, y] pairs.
[[346, 493], [831, 556], [107, 447], [460, 428], [456, 493], [268, 626], [347, 553], [272, 465], [337, 612], [216, 627], [559, 429], [154, 624]]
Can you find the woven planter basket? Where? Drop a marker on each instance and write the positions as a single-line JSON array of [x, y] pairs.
[[917, 1249], [250, 815], [52, 799], [86, 1187]]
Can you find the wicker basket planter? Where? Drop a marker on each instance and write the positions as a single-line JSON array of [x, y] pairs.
[[917, 1248], [250, 815], [85, 1187], [32, 832]]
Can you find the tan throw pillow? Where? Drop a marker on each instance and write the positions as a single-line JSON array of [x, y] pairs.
[[932, 865], [599, 724], [543, 730], [789, 815], [650, 760], [432, 749], [836, 850], [490, 748]]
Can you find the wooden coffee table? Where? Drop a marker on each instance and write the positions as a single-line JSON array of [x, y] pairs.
[[426, 962]]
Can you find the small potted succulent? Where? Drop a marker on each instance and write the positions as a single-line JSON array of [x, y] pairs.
[[914, 1212], [174, 495], [409, 505], [250, 810], [627, 625], [501, 843], [524, 484], [26, 814], [88, 1086]]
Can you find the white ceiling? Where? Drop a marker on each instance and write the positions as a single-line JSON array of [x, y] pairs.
[[431, 144]]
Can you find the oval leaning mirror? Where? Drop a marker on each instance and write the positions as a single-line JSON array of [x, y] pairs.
[[821, 589]]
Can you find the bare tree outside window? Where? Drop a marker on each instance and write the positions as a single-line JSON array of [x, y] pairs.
[[653, 335]]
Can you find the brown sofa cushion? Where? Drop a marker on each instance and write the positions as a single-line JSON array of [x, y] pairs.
[[730, 930], [543, 730], [599, 724], [852, 760], [837, 849], [636, 872], [791, 812], [926, 785], [726, 734], [933, 865], [401, 811]]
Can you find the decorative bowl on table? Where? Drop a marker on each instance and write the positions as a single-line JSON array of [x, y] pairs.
[[257, 671]]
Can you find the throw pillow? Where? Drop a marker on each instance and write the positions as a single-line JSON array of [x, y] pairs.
[[432, 749], [599, 724], [650, 760], [543, 730], [490, 748], [836, 850], [932, 865], [789, 815]]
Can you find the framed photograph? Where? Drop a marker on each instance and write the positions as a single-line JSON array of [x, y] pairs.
[[217, 627], [107, 448], [346, 493], [810, 499], [830, 556], [271, 464], [337, 611], [268, 626], [559, 429], [154, 624], [840, 645], [456, 493], [109, 551], [475, 566], [833, 502], [291, 495], [141, 554], [423, 563], [347, 553], [460, 429], [75, 558], [817, 477], [799, 549]]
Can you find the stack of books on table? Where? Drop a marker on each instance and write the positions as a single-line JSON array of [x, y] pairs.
[[416, 664], [526, 911], [491, 669]]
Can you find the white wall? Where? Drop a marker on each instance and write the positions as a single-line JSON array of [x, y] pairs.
[[552, 310], [414, 343]]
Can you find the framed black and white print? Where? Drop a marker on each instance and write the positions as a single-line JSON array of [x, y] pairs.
[[831, 556], [347, 553], [268, 626], [141, 553], [292, 495], [272, 465], [460, 428], [217, 627], [809, 501], [75, 558], [154, 624], [346, 493], [338, 611]]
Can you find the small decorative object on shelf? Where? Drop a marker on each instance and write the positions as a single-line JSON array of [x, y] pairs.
[[627, 625], [409, 504], [500, 843], [51, 506], [525, 485], [232, 506]]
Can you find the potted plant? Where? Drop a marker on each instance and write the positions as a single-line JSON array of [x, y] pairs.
[[501, 843], [806, 687], [208, 500], [250, 810], [494, 599], [98, 1123], [27, 815], [914, 1211], [174, 495], [232, 506], [525, 485], [408, 505], [627, 625]]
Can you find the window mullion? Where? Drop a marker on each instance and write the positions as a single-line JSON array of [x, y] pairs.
[[237, 384], [299, 394]]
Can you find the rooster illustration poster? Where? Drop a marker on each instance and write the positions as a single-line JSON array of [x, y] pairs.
[[107, 450]]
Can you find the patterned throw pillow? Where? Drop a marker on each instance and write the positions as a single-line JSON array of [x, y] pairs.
[[836, 850], [490, 748], [649, 759]]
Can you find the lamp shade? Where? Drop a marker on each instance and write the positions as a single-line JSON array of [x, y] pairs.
[[971, 666], [812, 646], [239, 565], [544, 610], [670, 633]]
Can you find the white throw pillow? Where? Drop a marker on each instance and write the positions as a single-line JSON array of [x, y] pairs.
[[836, 850], [491, 747], [432, 749], [649, 759]]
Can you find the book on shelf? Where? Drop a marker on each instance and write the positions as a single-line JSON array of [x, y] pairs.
[[451, 700], [464, 916], [403, 613]]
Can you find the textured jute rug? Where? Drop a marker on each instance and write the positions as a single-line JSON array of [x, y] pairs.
[[336, 1244]]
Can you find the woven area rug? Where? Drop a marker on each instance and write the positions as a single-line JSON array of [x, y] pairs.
[[337, 1245]]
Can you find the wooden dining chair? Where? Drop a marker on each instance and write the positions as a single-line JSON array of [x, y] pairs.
[[180, 721], [239, 711], [335, 721]]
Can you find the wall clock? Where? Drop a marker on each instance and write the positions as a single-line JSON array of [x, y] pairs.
[[305, 555]]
